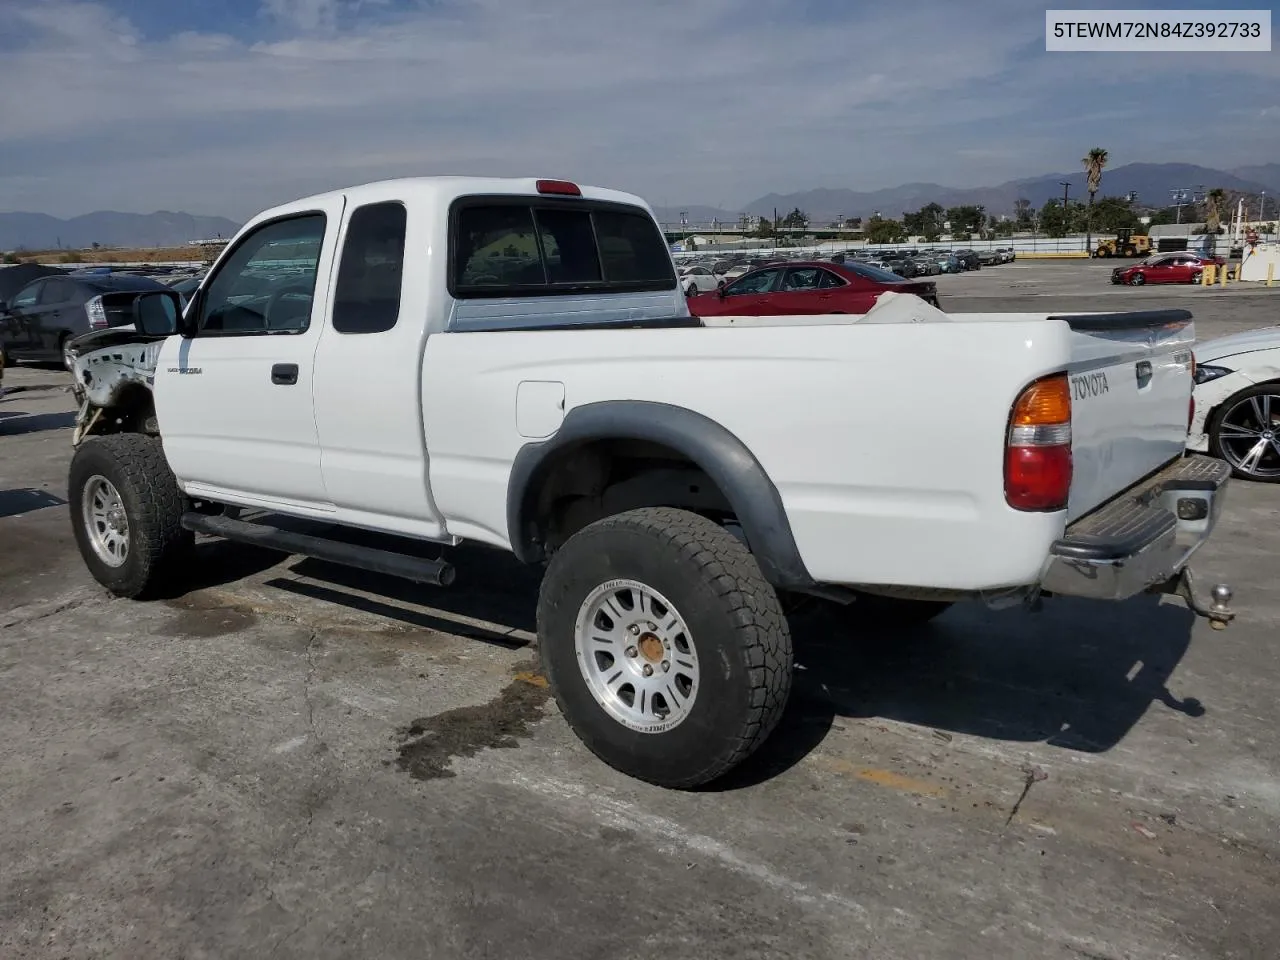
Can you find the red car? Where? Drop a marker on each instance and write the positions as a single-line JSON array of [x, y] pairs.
[[1181, 267], [807, 287]]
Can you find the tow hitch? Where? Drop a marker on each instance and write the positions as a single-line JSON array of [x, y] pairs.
[[1218, 611]]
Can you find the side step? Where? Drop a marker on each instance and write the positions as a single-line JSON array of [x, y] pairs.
[[416, 569]]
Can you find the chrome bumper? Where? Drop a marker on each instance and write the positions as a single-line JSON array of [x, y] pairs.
[[1143, 538]]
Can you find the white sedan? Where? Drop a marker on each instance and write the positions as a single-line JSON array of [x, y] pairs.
[[698, 280], [1237, 394]]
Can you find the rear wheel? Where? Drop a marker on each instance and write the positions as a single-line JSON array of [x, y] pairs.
[[126, 513], [666, 649]]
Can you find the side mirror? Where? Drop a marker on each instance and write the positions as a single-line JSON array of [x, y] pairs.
[[158, 313]]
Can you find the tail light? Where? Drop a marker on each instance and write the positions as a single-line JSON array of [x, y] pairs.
[[94, 311], [1037, 464]]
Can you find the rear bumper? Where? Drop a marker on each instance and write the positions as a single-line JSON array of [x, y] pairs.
[[1142, 538]]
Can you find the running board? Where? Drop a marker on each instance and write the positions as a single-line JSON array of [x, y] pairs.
[[416, 569]]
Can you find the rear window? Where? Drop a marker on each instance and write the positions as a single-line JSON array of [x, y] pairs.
[[873, 273], [506, 247]]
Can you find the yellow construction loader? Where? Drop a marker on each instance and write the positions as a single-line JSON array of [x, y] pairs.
[[1125, 243]]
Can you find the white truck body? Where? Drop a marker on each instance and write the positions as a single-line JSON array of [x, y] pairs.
[[885, 439]]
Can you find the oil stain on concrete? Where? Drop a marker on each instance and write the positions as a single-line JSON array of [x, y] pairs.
[[430, 744]]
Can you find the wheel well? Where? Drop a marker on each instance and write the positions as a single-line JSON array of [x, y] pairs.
[[586, 482], [133, 411], [1213, 411]]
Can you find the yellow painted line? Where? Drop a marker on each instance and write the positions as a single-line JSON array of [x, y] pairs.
[[534, 679], [881, 777]]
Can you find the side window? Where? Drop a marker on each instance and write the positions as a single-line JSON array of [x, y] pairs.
[[268, 282], [367, 298], [569, 246], [802, 278], [761, 281], [632, 250], [829, 280], [496, 247], [57, 291], [27, 296]]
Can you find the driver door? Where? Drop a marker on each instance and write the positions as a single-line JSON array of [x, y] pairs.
[[234, 398]]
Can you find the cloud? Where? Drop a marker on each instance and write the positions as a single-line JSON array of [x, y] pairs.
[[697, 101]]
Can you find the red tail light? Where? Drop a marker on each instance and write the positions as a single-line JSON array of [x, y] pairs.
[[1037, 465], [563, 187]]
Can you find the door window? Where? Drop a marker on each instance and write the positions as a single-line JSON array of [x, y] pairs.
[[761, 281], [26, 297], [800, 279], [367, 298], [267, 283], [829, 280]]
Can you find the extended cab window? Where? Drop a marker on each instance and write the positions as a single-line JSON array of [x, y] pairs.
[[267, 283], [367, 299], [512, 247]]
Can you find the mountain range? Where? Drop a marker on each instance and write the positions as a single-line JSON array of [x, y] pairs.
[[39, 231], [1152, 182]]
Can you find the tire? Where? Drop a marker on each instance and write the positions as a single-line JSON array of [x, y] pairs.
[[1137, 280], [1239, 410], [1130, 252], [1197, 277], [155, 544], [727, 615]]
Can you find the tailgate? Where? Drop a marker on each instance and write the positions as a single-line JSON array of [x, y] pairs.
[[1130, 399]]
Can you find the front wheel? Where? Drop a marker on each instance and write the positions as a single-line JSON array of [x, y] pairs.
[[666, 649], [1137, 280], [1245, 432], [126, 513]]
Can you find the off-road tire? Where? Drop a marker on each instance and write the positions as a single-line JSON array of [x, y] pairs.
[[158, 545], [735, 623]]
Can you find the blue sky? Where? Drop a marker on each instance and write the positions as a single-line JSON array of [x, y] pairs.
[[227, 106]]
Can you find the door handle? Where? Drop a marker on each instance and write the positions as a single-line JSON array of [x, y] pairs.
[[284, 373]]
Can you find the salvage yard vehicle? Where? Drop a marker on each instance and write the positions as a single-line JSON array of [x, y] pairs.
[[48, 312], [1237, 396], [808, 287], [513, 363], [1179, 267]]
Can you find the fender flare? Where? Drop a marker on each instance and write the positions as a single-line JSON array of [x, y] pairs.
[[714, 449]]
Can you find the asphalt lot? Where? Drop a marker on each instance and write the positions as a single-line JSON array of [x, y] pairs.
[[292, 760]]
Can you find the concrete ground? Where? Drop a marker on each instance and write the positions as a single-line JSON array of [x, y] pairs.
[[288, 759]]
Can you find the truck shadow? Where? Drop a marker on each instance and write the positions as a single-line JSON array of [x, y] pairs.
[[1077, 675]]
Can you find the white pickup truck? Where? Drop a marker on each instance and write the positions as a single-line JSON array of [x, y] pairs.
[[511, 362]]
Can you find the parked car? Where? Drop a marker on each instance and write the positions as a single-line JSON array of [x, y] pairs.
[[950, 263], [926, 266], [49, 311], [1237, 397], [811, 287], [698, 279], [185, 287], [990, 258], [1180, 267], [968, 259], [1007, 254], [734, 272], [667, 479]]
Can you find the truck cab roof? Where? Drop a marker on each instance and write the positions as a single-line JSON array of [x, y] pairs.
[[443, 190]]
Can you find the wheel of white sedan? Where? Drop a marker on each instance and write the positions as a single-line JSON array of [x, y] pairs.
[[666, 649], [1245, 432]]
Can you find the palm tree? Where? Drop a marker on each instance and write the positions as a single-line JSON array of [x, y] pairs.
[[1215, 199], [1093, 164]]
